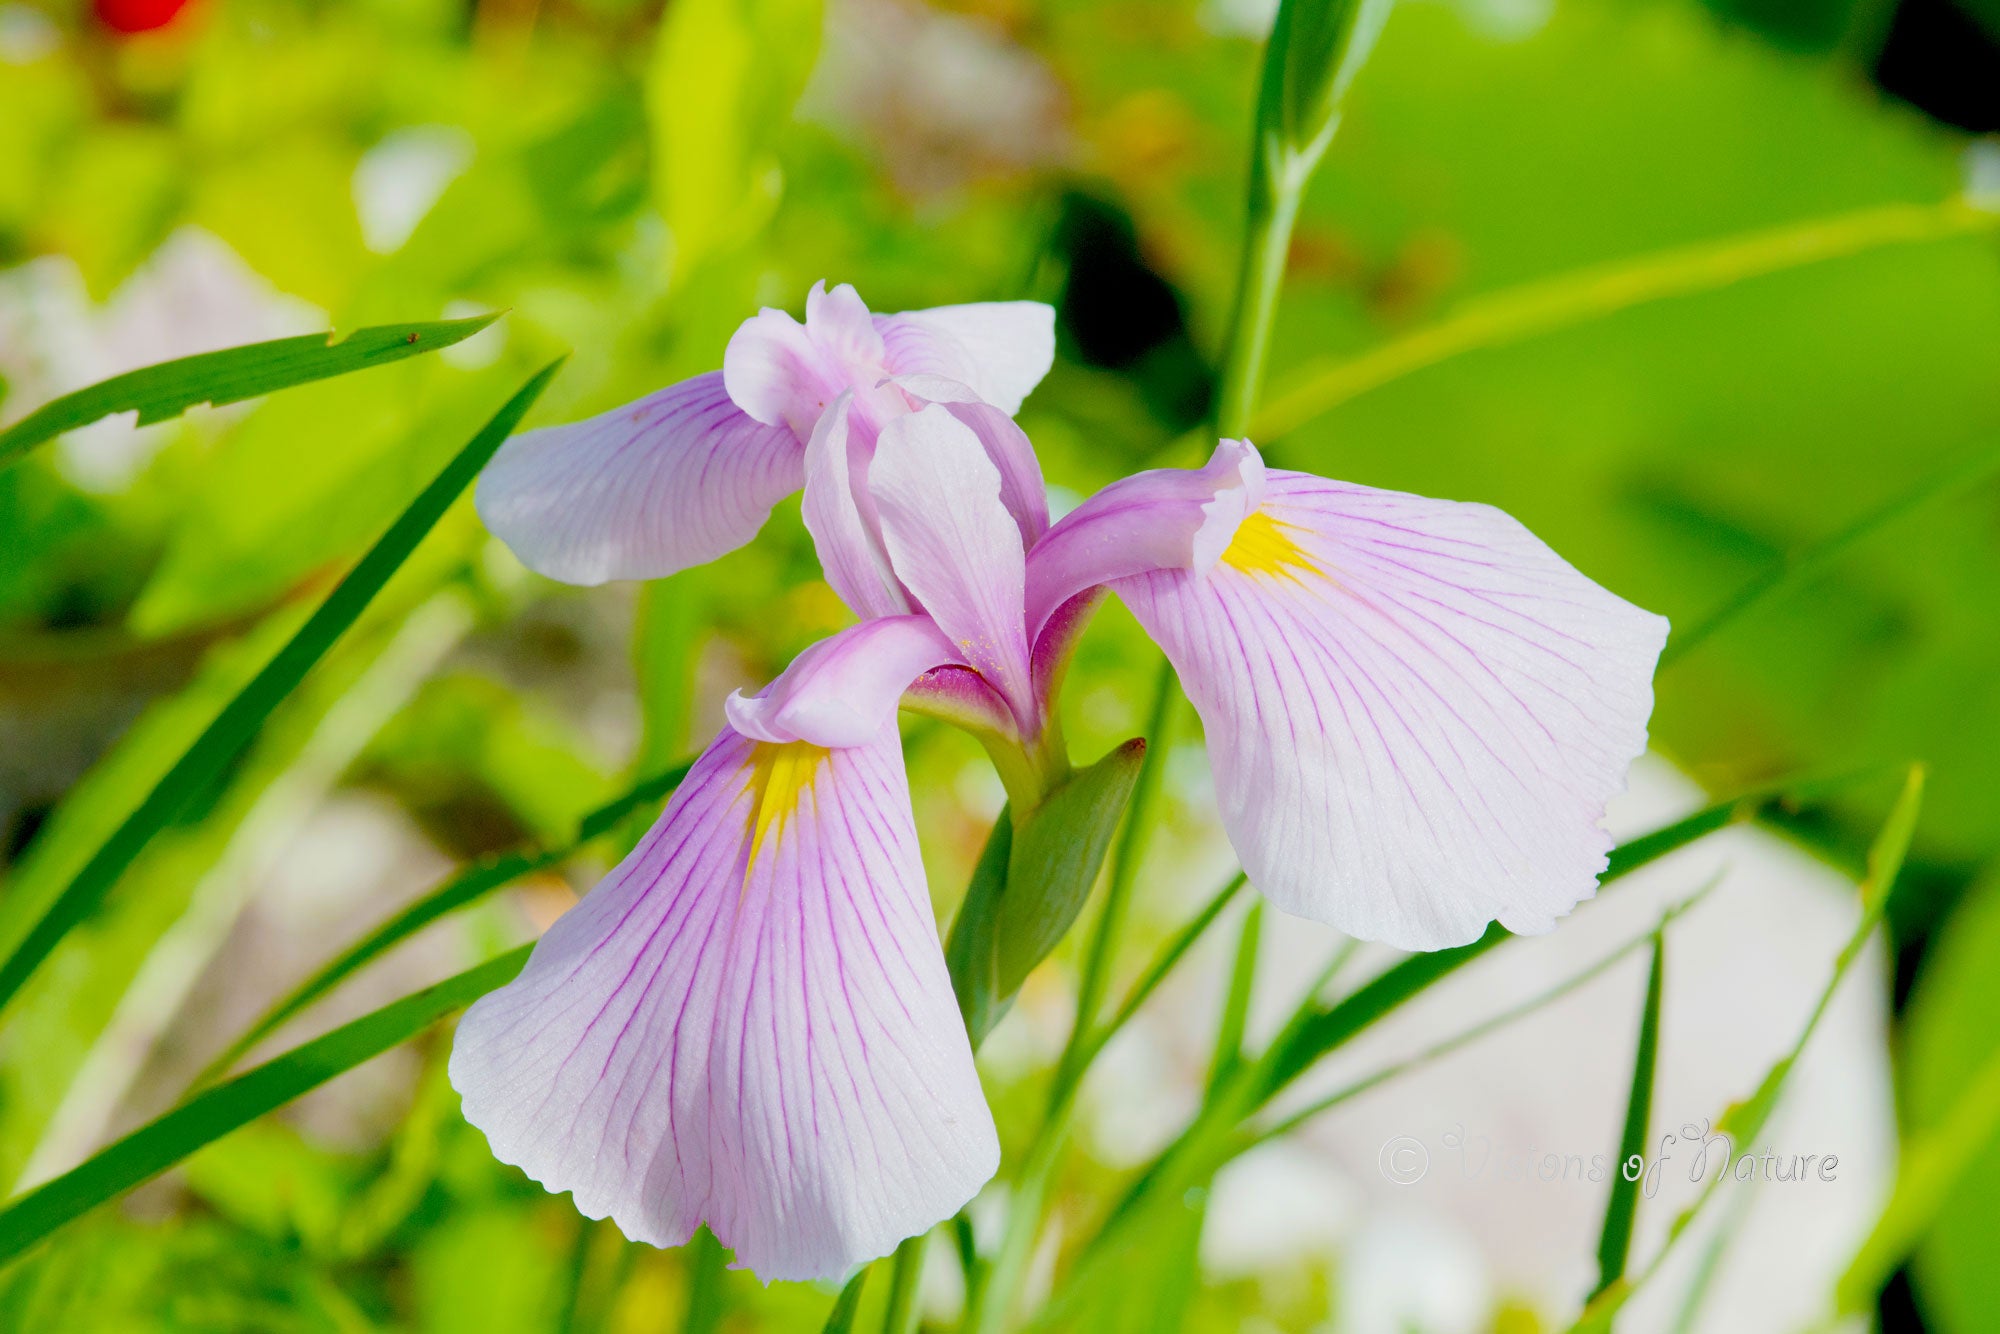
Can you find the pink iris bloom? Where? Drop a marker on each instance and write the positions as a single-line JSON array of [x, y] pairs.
[[1415, 710]]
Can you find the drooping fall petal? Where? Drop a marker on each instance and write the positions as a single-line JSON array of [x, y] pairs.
[[668, 482], [1415, 710], [748, 1024]]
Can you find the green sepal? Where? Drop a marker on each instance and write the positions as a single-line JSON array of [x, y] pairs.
[[1031, 882]]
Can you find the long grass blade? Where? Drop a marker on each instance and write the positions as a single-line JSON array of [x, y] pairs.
[[155, 1147], [1316, 1030], [1960, 472], [231, 375], [1571, 299], [1614, 1241], [239, 721], [1741, 1123], [460, 891]]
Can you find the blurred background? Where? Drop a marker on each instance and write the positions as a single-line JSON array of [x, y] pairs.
[[629, 182]]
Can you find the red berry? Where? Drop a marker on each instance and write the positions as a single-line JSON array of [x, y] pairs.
[[137, 15]]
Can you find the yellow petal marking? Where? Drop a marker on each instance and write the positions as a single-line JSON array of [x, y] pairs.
[[1264, 545], [779, 776]]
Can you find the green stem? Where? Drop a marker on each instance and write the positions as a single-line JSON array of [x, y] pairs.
[[905, 1276], [993, 1296], [1275, 193], [707, 1265]]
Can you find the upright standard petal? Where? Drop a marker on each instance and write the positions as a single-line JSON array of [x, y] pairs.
[[672, 481], [847, 538], [748, 1024], [1000, 348], [954, 545], [783, 372], [1415, 710]]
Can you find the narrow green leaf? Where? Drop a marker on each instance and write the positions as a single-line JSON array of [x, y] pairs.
[[1054, 859], [1932, 1168], [230, 376], [840, 1320], [971, 954], [1236, 1003], [461, 890], [905, 1276], [1962, 471], [155, 1147], [1314, 1031], [239, 721], [1163, 962], [707, 1302], [1614, 1242], [1743, 1121]]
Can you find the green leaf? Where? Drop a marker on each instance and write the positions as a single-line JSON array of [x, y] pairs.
[[1614, 1242], [1317, 47], [238, 723], [972, 953], [1054, 859], [463, 889], [840, 1320], [153, 1148], [1743, 1121], [1934, 1167], [159, 392], [1011, 919]]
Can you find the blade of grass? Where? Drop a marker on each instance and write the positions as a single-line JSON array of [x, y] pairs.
[[1236, 1002], [840, 1320], [466, 888], [1960, 472], [239, 721], [1314, 1031], [905, 1276], [1467, 1036], [1570, 299], [1933, 1167], [1614, 1241], [167, 390], [155, 1147], [1742, 1121]]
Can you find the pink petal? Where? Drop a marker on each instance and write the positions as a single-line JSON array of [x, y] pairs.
[[672, 481], [954, 545], [1000, 348], [783, 372], [748, 1024], [1167, 518], [1415, 710], [1022, 490], [844, 690], [848, 540]]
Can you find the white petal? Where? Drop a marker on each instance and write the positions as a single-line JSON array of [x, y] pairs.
[[668, 482], [748, 1024], [1415, 710], [953, 543], [1000, 348]]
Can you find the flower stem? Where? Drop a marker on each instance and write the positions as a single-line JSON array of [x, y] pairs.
[[900, 1316], [1278, 183], [993, 1296]]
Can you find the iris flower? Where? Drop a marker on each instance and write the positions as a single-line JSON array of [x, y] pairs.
[[1414, 709]]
